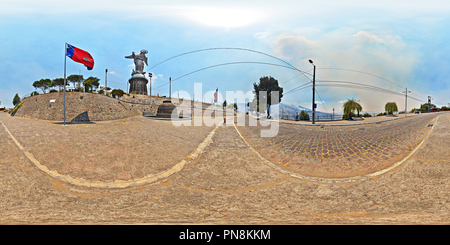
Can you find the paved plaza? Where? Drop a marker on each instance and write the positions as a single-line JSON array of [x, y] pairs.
[[141, 170], [340, 150]]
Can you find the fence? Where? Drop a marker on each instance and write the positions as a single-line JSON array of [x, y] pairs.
[[330, 117], [317, 118]]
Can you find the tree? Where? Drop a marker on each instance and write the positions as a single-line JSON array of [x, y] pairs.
[[91, 82], [16, 100], [43, 84], [350, 106], [426, 107], [269, 85], [59, 82], [390, 108], [224, 104], [117, 92], [75, 80], [303, 116], [233, 106]]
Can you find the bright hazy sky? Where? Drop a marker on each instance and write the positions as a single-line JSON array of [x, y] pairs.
[[401, 43]]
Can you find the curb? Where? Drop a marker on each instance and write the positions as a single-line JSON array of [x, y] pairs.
[[328, 125], [156, 178]]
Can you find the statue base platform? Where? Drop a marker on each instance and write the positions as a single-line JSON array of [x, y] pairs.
[[138, 84], [166, 109]]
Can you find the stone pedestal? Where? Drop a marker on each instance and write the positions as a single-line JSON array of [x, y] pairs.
[[165, 109], [138, 84]]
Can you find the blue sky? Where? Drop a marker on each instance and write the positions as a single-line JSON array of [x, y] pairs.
[[403, 42]]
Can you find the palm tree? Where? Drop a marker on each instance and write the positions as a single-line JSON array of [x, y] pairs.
[[351, 105]]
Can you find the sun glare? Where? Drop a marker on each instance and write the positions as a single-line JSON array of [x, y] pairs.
[[224, 17]]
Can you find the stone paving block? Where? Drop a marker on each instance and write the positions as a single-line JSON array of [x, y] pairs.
[[382, 144]]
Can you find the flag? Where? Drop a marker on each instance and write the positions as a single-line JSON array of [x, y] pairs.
[[215, 95], [80, 56]]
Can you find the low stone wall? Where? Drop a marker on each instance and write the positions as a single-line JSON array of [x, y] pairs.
[[79, 107], [91, 107]]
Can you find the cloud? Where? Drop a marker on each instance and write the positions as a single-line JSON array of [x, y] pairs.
[[358, 56], [223, 17], [363, 36], [261, 35], [291, 47]]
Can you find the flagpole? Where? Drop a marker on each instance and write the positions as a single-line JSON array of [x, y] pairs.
[[65, 54]]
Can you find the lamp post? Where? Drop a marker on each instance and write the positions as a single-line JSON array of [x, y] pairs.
[[314, 94]]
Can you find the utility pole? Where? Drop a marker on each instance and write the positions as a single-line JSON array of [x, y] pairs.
[[150, 75], [429, 103], [170, 87], [406, 101], [106, 83], [314, 94], [333, 115]]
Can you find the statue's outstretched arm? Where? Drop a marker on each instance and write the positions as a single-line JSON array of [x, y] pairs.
[[130, 56]]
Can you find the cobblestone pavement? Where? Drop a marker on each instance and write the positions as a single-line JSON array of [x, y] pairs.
[[226, 184], [339, 151]]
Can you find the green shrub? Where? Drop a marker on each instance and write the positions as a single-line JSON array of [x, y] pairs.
[[303, 116], [101, 91], [366, 115], [117, 92], [53, 91], [17, 108]]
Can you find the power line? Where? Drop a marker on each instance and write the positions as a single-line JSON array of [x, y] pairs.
[[321, 101], [350, 85], [366, 88], [298, 88], [362, 72], [231, 63], [209, 49], [241, 49]]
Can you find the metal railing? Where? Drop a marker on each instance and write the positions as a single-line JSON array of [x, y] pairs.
[[317, 118]]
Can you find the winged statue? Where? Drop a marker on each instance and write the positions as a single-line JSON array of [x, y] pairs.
[[139, 60]]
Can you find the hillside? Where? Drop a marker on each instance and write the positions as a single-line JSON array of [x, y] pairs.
[[79, 107], [89, 106]]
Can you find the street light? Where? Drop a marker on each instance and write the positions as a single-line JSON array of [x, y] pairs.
[[314, 94]]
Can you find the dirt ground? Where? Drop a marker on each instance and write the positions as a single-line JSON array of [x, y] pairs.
[[225, 184]]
